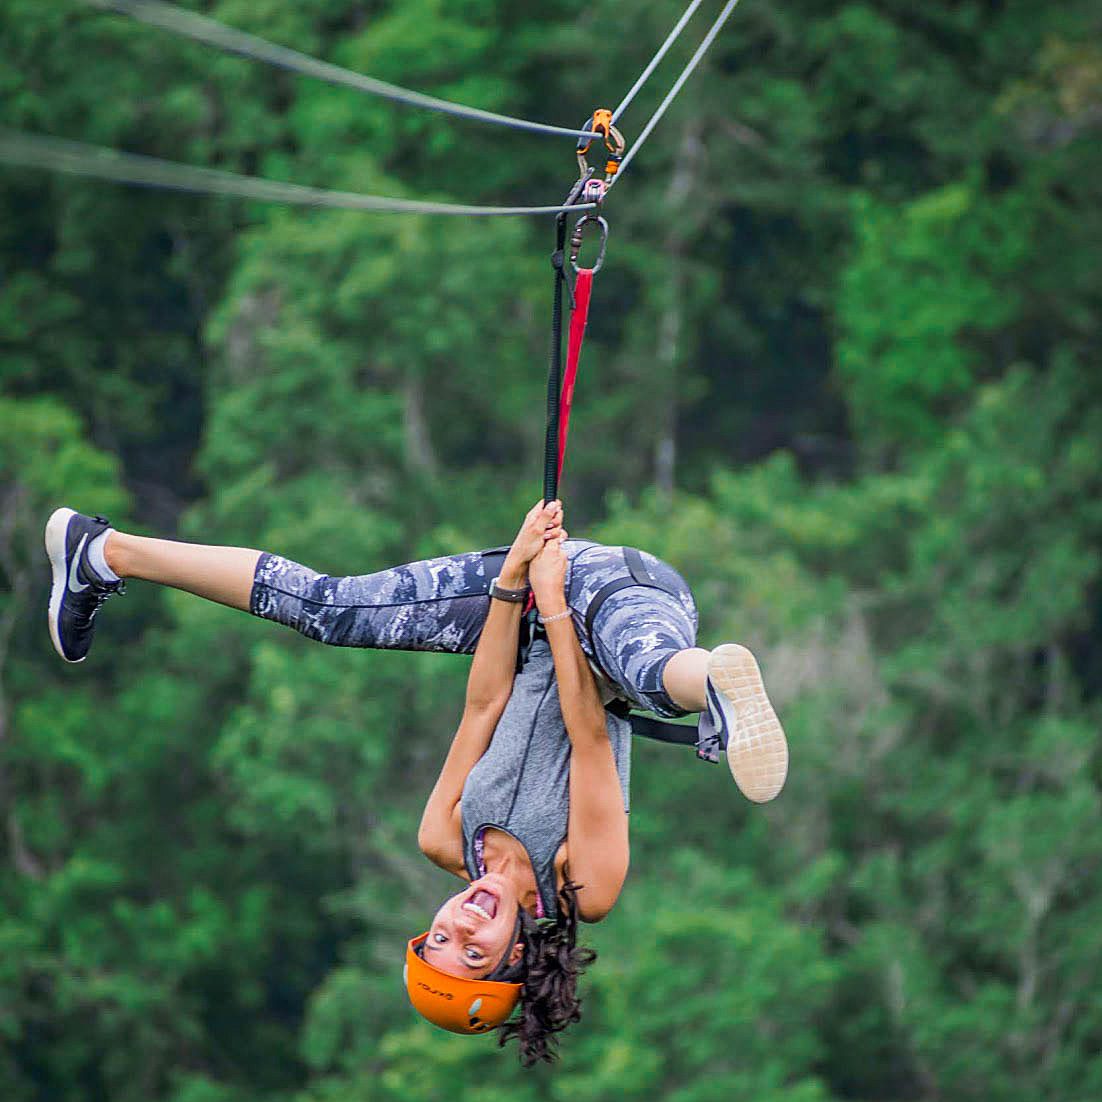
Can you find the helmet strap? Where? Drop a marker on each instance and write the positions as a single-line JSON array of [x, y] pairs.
[[504, 966]]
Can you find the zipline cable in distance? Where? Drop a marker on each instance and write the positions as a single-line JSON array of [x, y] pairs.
[[77, 158], [671, 38], [190, 25], [687, 72]]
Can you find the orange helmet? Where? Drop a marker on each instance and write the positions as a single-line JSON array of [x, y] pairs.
[[453, 1002]]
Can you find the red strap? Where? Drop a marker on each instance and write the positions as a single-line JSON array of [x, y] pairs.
[[583, 286]]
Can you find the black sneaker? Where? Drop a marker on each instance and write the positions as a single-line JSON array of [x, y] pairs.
[[77, 590]]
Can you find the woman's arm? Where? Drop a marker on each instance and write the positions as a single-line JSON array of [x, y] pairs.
[[489, 684], [440, 835], [597, 827]]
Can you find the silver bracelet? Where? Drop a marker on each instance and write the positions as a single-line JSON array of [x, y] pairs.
[[557, 616]]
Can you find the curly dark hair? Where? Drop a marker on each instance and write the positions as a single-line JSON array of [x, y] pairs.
[[549, 970]]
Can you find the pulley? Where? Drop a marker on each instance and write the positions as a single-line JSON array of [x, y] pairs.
[[600, 124]]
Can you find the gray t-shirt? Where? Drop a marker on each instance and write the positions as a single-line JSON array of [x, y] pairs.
[[522, 783]]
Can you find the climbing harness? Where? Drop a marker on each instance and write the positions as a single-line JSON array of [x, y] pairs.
[[703, 738], [702, 735], [638, 575]]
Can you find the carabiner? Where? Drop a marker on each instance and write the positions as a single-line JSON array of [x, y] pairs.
[[578, 234], [601, 123]]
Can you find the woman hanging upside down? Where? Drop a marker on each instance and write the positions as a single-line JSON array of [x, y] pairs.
[[531, 803]]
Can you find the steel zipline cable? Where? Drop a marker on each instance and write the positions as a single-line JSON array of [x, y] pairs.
[[671, 95], [644, 76], [76, 158], [39, 151], [190, 25]]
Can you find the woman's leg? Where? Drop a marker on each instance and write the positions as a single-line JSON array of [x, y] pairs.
[[438, 604], [644, 641], [685, 678], [643, 637], [222, 574], [432, 605]]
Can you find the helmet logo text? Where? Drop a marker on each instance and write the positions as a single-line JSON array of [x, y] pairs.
[[433, 991]]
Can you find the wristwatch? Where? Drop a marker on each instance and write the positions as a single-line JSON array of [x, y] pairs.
[[516, 596]]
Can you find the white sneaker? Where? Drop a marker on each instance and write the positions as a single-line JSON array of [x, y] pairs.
[[746, 723]]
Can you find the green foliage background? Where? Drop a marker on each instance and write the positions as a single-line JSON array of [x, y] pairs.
[[843, 371]]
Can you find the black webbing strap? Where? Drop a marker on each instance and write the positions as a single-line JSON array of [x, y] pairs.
[[554, 373], [639, 576], [638, 569], [495, 557], [659, 730]]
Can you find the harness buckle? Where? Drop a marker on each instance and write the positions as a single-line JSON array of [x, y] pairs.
[[709, 745]]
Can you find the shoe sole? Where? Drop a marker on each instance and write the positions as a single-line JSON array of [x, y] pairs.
[[57, 528], [757, 750]]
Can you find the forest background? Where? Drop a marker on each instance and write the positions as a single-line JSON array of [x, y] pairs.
[[843, 371]]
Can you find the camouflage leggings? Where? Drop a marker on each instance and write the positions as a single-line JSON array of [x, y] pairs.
[[441, 604]]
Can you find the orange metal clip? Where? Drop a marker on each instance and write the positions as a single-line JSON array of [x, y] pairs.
[[601, 123]]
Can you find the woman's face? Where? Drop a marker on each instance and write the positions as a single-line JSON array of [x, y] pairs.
[[473, 930]]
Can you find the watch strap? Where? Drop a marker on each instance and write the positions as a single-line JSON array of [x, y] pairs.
[[514, 596]]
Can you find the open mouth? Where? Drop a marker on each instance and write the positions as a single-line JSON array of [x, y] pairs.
[[482, 903]]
